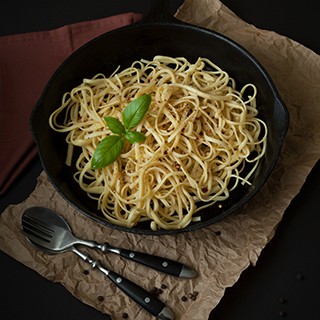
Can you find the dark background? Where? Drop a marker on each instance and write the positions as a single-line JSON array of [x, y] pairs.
[[285, 282]]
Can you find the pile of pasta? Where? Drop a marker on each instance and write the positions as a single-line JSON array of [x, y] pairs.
[[201, 134]]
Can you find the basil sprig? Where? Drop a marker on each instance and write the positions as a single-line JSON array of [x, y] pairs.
[[110, 148]]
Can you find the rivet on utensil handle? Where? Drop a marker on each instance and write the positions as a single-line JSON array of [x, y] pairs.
[[159, 263], [142, 297]]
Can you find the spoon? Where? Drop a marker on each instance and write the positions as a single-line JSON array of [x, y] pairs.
[[60, 235], [41, 237]]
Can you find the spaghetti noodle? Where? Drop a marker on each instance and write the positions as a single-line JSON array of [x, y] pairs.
[[201, 134]]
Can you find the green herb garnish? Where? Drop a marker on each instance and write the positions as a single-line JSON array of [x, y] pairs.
[[110, 148]]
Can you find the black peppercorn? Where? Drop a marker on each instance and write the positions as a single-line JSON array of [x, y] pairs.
[[155, 291], [299, 276], [193, 295], [282, 300], [282, 314]]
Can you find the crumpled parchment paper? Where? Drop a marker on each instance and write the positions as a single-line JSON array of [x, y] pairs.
[[221, 252]]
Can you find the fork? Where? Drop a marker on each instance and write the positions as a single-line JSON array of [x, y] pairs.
[[55, 231]]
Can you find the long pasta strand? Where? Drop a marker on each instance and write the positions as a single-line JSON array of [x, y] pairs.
[[201, 134]]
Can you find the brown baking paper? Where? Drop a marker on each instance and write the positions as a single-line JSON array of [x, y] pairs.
[[218, 258]]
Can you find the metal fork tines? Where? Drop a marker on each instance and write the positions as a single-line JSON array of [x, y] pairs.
[[35, 229]]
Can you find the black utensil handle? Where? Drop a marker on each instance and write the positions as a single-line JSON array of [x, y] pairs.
[[135, 292], [138, 294], [158, 263]]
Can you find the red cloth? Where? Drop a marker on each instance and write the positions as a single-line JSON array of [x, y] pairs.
[[26, 63]]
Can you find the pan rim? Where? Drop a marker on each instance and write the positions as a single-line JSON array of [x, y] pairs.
[[183, 26]]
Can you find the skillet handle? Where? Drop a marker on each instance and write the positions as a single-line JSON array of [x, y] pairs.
[[159, 13], [281, 113]]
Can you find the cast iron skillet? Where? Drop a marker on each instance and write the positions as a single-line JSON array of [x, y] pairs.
[[158, 34]]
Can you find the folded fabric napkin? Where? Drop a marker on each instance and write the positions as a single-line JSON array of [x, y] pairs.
[[221, 252], [26, 63]]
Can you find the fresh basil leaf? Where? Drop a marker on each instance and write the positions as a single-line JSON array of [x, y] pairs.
[[115, 125], [110, 148], [134, 136], [107, 151], [135, 111]]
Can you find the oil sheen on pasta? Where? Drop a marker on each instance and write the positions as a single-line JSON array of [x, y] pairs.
[[201, 134]]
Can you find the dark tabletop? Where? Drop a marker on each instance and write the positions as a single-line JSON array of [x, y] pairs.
[[285, 281]]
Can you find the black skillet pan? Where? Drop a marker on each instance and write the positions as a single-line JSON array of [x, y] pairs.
[[157, 34]]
